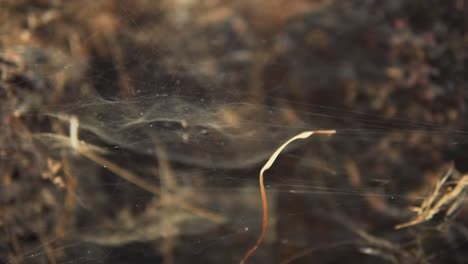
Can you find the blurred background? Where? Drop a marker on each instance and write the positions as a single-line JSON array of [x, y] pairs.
[[134, 131]]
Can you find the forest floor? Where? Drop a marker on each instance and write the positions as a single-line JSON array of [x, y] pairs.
[[134, 131]]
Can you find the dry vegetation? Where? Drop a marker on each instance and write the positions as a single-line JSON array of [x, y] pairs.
[[134, 131]]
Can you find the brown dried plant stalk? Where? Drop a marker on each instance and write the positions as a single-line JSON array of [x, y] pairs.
[[440, 199], [265, 167]]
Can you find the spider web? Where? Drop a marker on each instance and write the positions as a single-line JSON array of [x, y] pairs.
[[191, 99]]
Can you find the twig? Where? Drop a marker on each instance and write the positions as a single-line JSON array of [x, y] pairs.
[[438, 200]]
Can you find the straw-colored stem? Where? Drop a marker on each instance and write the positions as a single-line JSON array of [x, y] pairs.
[[265, 167]]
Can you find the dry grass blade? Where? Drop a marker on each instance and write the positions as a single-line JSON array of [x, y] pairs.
[[265, 167], [440, 199]]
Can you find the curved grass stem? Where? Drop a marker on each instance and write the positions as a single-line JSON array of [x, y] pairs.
[[265, 167]]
